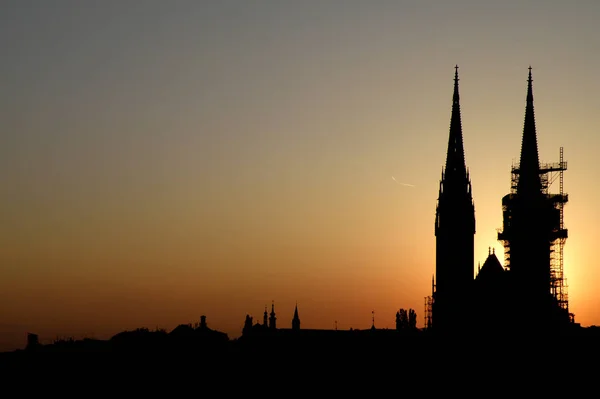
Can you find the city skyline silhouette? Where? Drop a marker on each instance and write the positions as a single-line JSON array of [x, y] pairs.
[[486, 302], [209, 159]]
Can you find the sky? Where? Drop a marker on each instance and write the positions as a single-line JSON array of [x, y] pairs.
[[165, 160]]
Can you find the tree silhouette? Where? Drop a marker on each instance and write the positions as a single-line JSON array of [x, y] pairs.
[[412, 319], [406, 319]]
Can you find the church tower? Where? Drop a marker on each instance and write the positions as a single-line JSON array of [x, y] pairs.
[[531, 226], [527, 213], [454, 231]]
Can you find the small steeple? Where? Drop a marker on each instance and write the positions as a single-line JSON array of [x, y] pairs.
[[273, 319], [373, 320], [265, 317], [529, 174], [296, 319]]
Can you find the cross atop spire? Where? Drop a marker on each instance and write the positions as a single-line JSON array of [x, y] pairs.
[[455, 97], [529, 87]]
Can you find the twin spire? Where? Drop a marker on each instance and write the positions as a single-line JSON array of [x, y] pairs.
[[455, 158], [529, 167]]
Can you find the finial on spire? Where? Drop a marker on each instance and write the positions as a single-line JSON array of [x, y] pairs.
[[529, 80], [456, 74]]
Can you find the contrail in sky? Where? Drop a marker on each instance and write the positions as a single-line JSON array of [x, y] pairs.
[[402, 184]]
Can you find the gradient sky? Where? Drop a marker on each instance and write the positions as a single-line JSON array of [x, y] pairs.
[[161, 160]]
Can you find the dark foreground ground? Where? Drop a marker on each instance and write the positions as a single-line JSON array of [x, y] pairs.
[[307, 365], [285, 362], [296, 346]]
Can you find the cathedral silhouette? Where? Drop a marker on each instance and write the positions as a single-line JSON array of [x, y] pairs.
[[529, 293]]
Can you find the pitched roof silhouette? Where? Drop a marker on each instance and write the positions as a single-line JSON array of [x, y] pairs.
[[491, 267]]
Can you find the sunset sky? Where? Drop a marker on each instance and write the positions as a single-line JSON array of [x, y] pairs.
[[162, 160]]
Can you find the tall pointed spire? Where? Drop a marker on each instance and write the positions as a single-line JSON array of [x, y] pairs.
[[454, 229], [455, 158], [529, 173]]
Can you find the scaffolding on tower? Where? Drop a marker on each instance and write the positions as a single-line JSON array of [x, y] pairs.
[[428, 322], [558, 282], [428, 311], [549, 173]]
